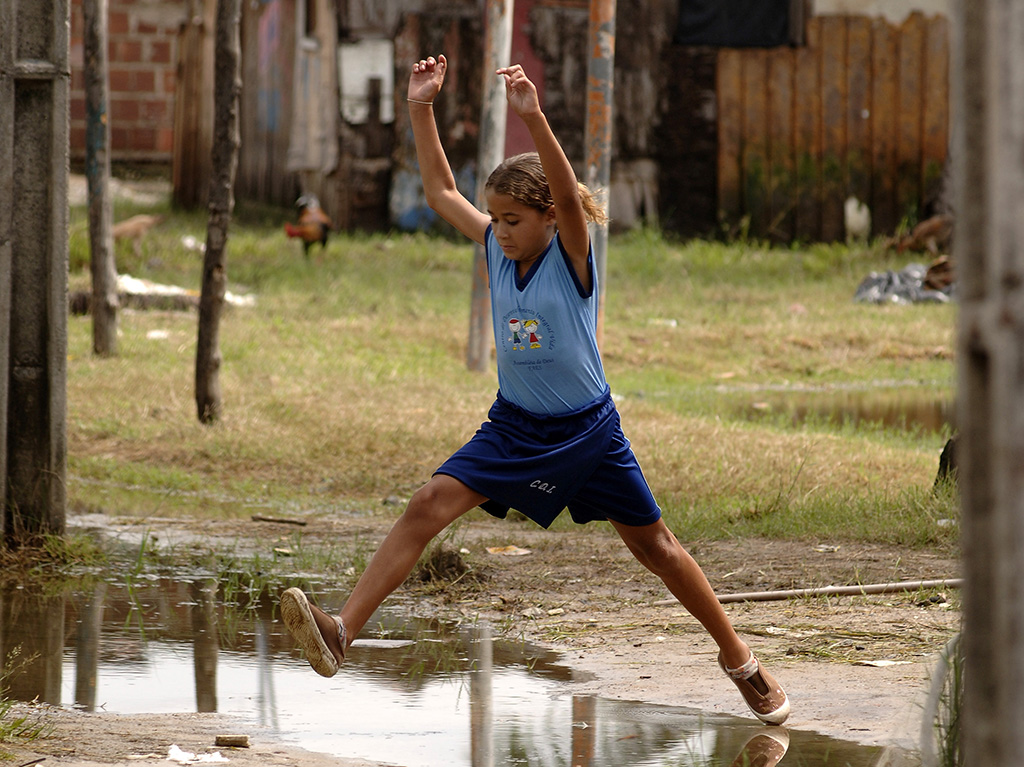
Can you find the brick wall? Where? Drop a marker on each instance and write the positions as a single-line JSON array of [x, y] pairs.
[[143, 63]]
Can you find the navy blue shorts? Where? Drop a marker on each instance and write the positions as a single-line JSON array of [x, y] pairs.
[[541, 465]]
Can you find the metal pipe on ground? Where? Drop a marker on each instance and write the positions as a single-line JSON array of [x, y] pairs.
[[825, 591]]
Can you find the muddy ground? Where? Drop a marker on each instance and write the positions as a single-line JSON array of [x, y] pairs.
[[856, 668]]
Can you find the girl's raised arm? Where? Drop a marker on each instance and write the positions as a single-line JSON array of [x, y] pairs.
[[565, 191], [438, 181]]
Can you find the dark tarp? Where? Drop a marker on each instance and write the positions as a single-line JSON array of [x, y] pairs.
[[737, 23]]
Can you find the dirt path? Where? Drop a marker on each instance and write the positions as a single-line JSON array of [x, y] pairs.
[[582, 593]]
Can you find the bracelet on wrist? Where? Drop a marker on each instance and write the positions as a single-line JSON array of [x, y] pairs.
[[417, 101]]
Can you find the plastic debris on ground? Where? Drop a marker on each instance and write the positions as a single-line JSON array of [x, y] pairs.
[[906, 286], [175, 754]]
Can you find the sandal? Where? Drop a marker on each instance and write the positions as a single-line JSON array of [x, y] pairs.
[[297, 614], [765, 697]]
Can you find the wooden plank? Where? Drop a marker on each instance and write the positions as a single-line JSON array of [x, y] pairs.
[[936, 116], [782, 177], [729, 87], [909, 111], [884, 109], [193, 116], [755, 160], [807, 134], [834, 100], [858, 109]]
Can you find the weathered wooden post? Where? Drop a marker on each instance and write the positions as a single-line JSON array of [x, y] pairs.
[[497, 49], [989, 251], [97, 172], [600, 88], [35, 79]]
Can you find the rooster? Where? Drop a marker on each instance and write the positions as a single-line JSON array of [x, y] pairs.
[[313, 224]]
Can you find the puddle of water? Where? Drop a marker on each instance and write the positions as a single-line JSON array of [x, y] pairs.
[[904, 409], [415, 694]]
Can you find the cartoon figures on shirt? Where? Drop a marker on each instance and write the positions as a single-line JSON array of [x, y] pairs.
[[515, 327], [530, 327], [524, 334]]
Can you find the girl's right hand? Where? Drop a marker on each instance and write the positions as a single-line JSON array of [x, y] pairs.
[[520, 91], [427, 78]]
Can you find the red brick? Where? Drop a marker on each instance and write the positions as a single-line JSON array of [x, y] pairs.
[[145, 28], [165, 140], [121, 80], [145, 80], [154, 111], [143, 138], [131, 138], [76, 108], [124, 110], [118, 23], [126, 51], [160, 52], [76, 137], [170, 81]]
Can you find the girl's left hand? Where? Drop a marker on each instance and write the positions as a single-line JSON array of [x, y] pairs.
[[520, 91], [427, 77]]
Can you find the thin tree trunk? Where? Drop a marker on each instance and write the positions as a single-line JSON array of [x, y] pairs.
[[97, 171], [227, 86]]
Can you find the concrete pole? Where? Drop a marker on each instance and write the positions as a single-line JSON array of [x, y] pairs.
[[600, 88], [988, 72], [497, 50], [35, 78]]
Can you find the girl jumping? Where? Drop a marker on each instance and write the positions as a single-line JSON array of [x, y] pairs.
[[552, 440]]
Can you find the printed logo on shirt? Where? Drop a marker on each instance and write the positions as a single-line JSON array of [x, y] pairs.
[[544, 487], [527, 333]]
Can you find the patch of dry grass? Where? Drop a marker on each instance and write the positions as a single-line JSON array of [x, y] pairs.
[[345, 384]]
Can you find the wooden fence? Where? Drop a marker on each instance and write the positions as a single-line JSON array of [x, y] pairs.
[[862, 109]]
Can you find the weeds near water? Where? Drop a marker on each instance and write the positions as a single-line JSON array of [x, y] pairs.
[[131, 575], [51, 556], [14, 724]]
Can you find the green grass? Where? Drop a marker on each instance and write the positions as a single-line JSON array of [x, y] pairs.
[[346, 382], [18, 724]]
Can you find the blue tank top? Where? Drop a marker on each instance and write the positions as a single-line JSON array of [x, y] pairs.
[[545, 332]]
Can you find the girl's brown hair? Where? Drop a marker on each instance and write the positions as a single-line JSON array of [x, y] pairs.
[[522, 178]]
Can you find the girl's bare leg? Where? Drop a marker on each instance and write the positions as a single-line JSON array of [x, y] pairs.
[[658, 549], [432, 508]]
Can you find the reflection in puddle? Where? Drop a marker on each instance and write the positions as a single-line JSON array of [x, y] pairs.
[[416, 695]]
